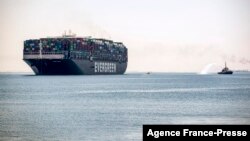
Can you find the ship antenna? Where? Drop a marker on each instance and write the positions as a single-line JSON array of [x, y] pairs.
[[225, 64]]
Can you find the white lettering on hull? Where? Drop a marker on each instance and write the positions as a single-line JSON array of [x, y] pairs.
[[105, 67]]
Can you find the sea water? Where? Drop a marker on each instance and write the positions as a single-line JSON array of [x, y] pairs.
[[114, 107]]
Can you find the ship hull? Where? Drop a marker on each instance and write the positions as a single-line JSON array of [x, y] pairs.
[[228, 72], [75, 67]]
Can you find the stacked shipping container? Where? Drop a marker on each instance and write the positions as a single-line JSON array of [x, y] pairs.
[[78, 48]]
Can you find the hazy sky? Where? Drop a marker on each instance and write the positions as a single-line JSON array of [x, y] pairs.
[[161, 35]]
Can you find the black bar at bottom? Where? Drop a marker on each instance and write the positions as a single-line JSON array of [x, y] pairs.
[[164, 132]]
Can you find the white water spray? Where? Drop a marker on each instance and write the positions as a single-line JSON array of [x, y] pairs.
[[210, 68]]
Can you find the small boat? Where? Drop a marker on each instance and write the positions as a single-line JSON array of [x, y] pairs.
[[148, 73], [225, 70]]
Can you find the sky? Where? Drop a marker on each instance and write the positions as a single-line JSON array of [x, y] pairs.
[[161, 36]]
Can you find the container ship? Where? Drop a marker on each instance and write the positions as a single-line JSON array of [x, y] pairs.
[[71, 55]]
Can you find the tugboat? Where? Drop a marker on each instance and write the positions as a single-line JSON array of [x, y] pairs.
[[225, 70]]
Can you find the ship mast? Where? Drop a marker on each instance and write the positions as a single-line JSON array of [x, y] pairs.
[[40, 49], [70, 34]]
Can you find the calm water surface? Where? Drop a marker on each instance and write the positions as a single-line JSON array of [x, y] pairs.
[[115, 107]]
